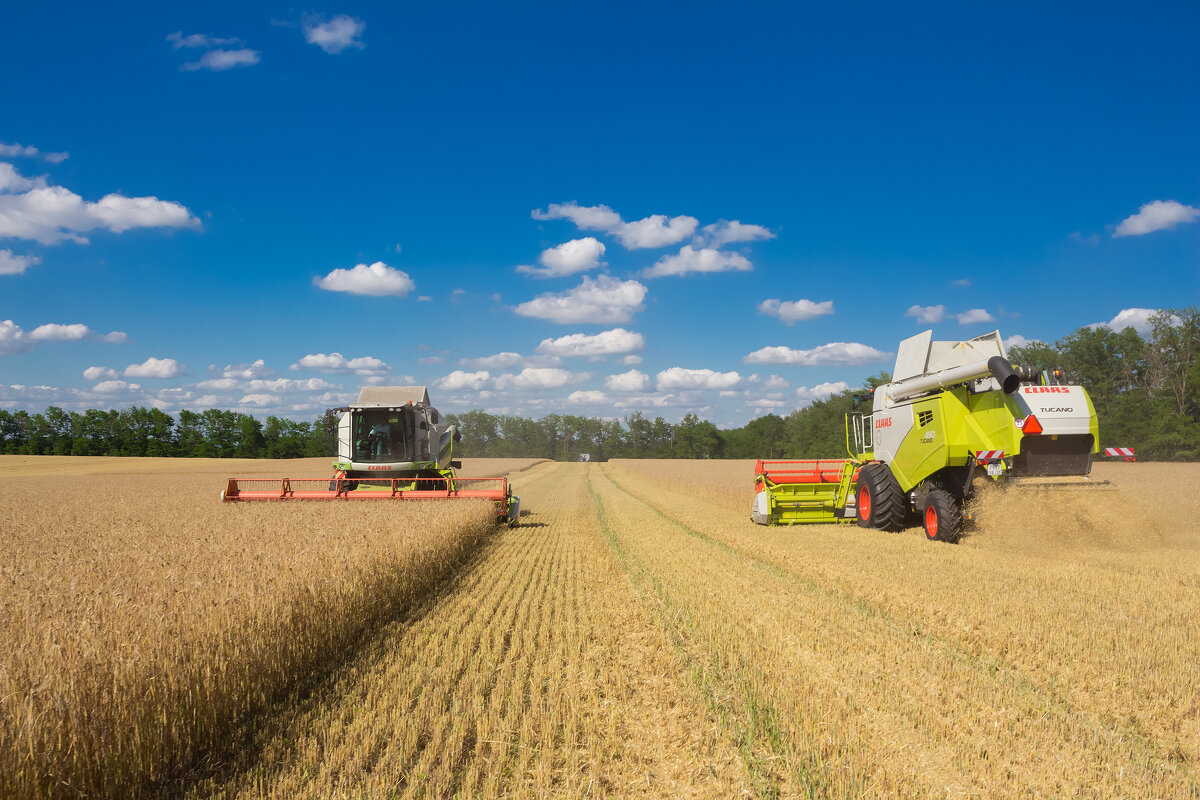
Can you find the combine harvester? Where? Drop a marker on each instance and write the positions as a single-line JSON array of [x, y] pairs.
[[956, 416], [391, 446]]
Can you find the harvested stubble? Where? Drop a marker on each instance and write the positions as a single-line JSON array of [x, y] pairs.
[[892, 666], [142, 619], [535, 672]]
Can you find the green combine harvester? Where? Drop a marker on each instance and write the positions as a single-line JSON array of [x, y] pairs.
[[957, 415]]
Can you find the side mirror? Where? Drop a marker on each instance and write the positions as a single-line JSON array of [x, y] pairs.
[[433, 416]]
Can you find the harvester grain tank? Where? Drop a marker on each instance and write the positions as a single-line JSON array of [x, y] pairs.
[[391, 445], [955, 415]]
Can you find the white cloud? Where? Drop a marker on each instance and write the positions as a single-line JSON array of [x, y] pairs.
[[729, 231], [29, 151], [335, 35], [259, 400], [99, 373], [12, 338], [631, 381], [1160, 215], [12, 264], [930, 315], [775, 383], [961, 282], [974, 317], [497, 361], [603, 300], [155, 368], [588, 218], [631, 360], [704, 260], [605, 343], [834, 353], [656, 230], [535, 378], [32, 209], [1016, 340], [568, 258], [336, 362], [377, 280], [463, 380], [77, 332], [681, 378], [200, 40], [822, 391], [792, 311], [1136, 318], [586, 398], [221, 60], [111, 387], [258, 369]]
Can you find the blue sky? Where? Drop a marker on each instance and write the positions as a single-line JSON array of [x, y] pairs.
[[719, 208]]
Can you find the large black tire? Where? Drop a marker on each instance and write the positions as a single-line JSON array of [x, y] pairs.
[[942, 517], [880, 501]]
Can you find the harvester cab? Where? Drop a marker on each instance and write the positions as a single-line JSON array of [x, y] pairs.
[[955, 415], [391, 444]]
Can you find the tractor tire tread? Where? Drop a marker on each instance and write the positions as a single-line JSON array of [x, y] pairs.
[[888, 507]]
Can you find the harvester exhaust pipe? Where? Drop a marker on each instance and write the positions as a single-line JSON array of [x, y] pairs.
[[996, 366]]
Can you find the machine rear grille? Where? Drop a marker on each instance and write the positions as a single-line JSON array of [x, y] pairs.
[[1054, 455]]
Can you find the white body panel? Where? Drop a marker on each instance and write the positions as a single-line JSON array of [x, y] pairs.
[[1060, 409], [891, 425]]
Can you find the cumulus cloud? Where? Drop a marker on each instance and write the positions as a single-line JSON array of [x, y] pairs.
[[1016, 340], [507, 360], [605, 343], [259, 400], [12, 264], [112, 386], [336, 362], [258, 369], [974, 317], [221, 60], [458, 379], [729, 231], [32, 209], [155, 368], [1136, 318], [76, 332], [793, 311], [376, 279], [834, 353], [591, 397], [631, 360], [1160, 215], [822, 391], [603, 300], [568, 258], [335, 35], [13, 338], [29, 151], [680, 378], [631, 381], [703, 260], [774, 383], [656, 230], [99, 373], [535, 378], [930, 315]]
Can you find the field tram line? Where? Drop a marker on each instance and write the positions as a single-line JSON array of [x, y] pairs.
[[506, 609], [1105, 733], [749, 719]]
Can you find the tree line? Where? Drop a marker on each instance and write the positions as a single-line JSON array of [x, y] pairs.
[[1144, 390]]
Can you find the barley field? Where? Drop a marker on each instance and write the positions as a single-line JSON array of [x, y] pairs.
[[637, 636]]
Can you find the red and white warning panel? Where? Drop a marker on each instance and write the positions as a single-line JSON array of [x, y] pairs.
[[1120, 452], [989, 455]]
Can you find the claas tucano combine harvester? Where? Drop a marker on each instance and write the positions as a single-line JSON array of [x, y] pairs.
[[391, 445], [956, 416]]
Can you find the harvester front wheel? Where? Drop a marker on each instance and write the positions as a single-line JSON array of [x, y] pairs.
[[879, 500], [942, 517]]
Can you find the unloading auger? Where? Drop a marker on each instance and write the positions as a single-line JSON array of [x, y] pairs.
[[391, 446]]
